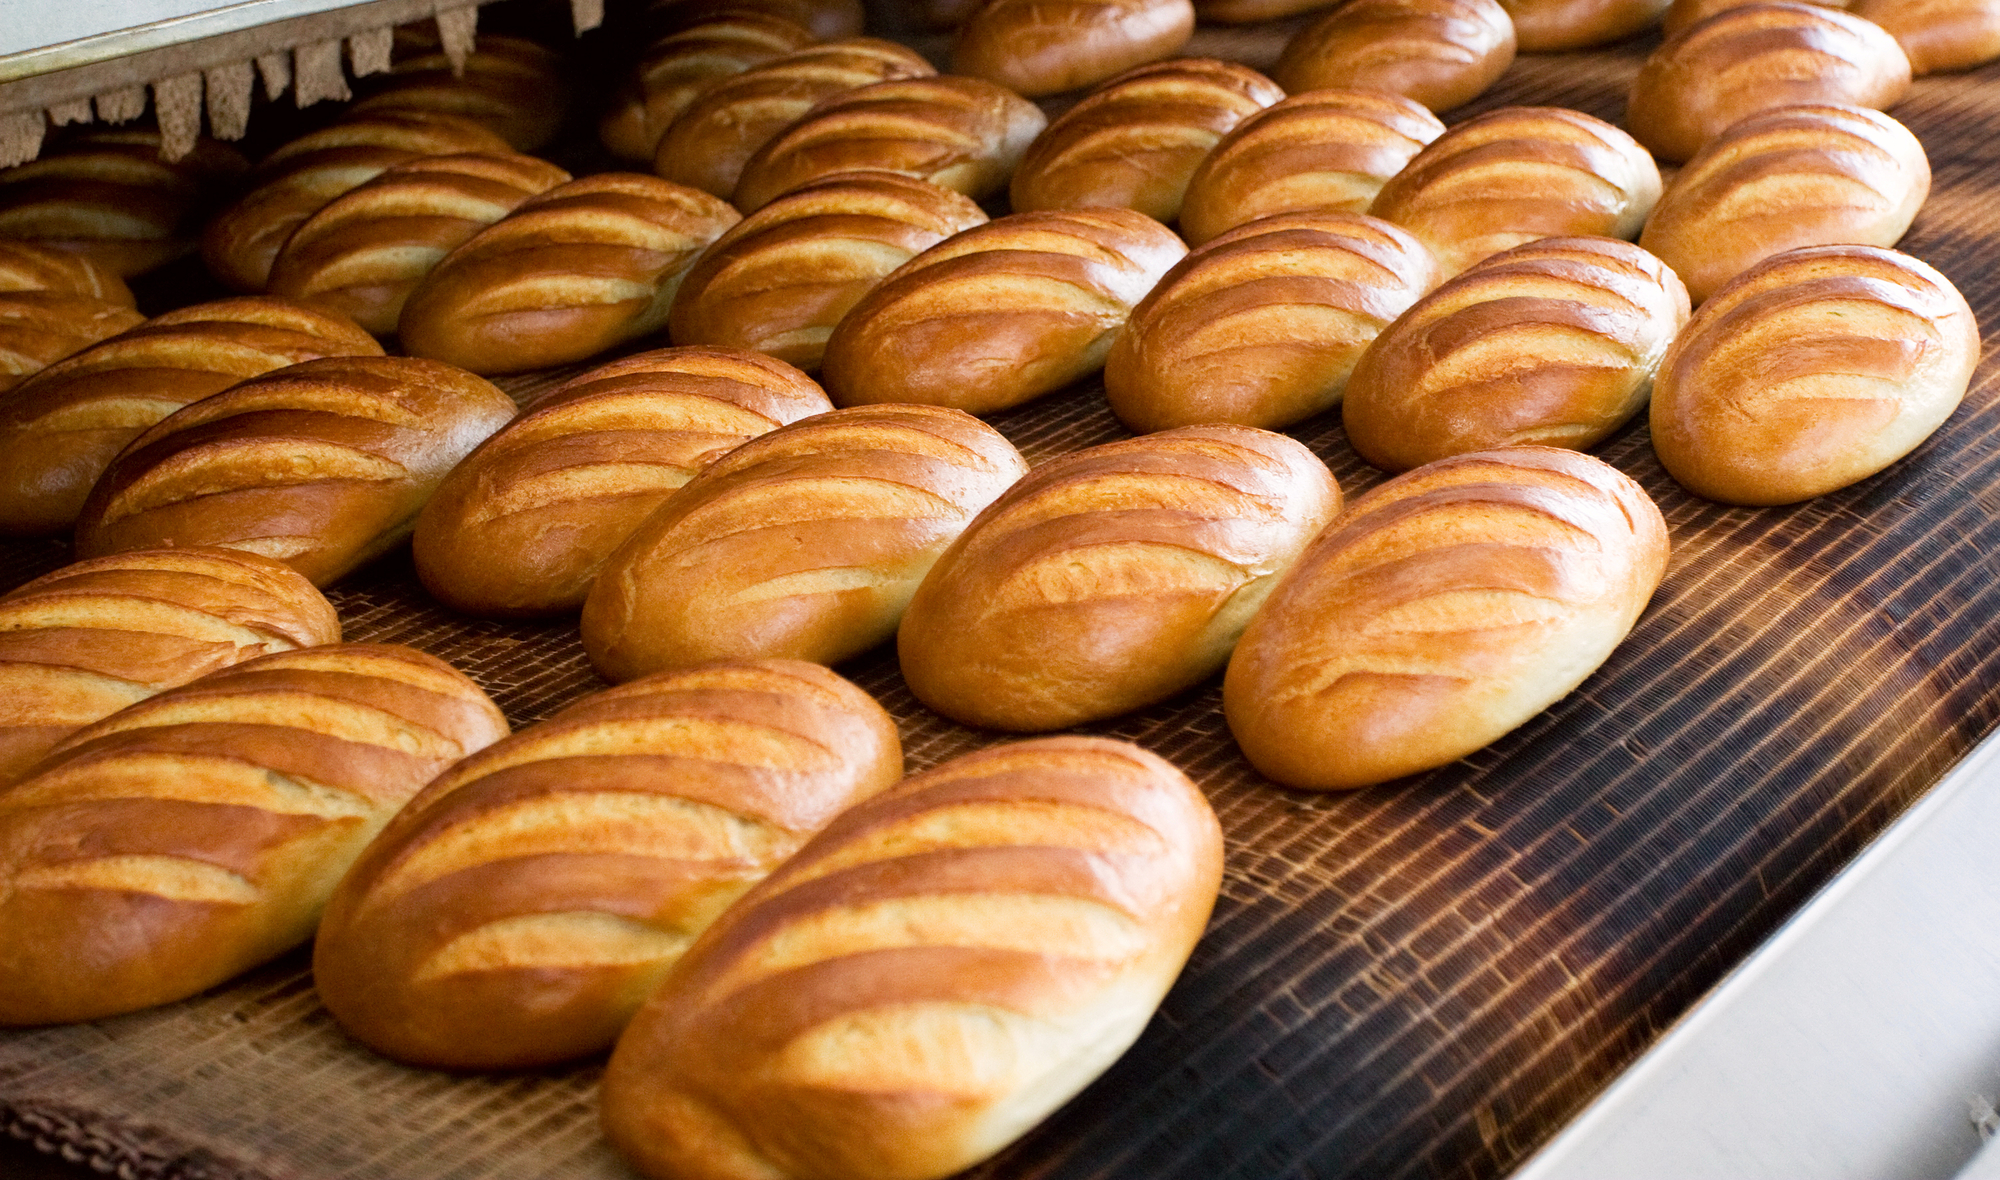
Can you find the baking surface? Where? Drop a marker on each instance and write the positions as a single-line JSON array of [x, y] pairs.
[[1422, 979]]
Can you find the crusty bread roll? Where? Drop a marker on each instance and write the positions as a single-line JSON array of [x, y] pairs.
[[1553, 343], [1111, 577], [937, 971], [322, 465], [1553, 26], [1262, 325], [364, 252], [1440, 611], [61, 428], [1517, 174], [1000, 314], [192, 836], [523, 524], [680, 66], [1441, 53], [1038, 47], [53, 303], [1324, 151], [107, 194], [963, 134], [1939, 36], [1246, 12], [826, 20], [1813, 370], [805, 543], [79, 644], [298, 179], [1752, 58], [1781, 179], [708, 144], [779, 280], [579, 269], [518, 911], [512, 86], [1136, 141]]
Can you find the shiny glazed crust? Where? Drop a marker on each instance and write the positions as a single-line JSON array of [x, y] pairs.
[[1441, 53], [929, 977], [1040, 47], [32, 266], [1554, 26], [683, 65], [39, 328], [108, 196], [512, 86], [1939, 36]]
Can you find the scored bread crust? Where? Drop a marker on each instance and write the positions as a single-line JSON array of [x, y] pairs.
[[933, 974], [684, 64], [198, 833], [107, 195], [512, 86], [1939, 36], [1440, 611], [518, 911], [1555, 26], [1043, 47], [1441, 53]]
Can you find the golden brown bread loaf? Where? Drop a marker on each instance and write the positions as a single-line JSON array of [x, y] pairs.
[[805, 543], [364, 252], [1517, 174], [933, 974], [107, 194], [1552, 26], [1939, 36], [89, 639], [1111, 577], [523, 524], [1441, 53], [1326, 151], [1000, 314], [680, 66], [61, 428], [298, 180], [579, 269], [1136, 141], [322, 465], [54, 303], [1813, 370], [1440, 611], [518, 911], [1245, 12], [826, 20], [35, 266], [707, 146], [1262, 325], [1039, 47], [779, 280], [194, 835], [1752, 58], [1553, 343], [509, 85], [1682, 13], [1781, 179], [963, 134]]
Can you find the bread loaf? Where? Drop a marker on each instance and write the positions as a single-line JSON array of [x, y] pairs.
[[54, 303], [959, 133], [1326, 151], [518, 911], [1246, 12], [61, 428], [579, 269], [1553, 26], [298, 180], [779, 280], [523, 524], [1262, 325], [1753, 58], [1136, 141], [805, 543], [1111, 577], [194, 835], [708, 144], [1682, 13], [1440, 611], [89, 639], [33, 266], [1001, 314], [1517, 174], [509, 85], [1794, 176], [937, 971], [826, 20], [1939, 36], [107, 194], [1038, 47], [1553, 343], [1441, 53], [322, 465], [680, 66], [1813, 370], [364, 252]]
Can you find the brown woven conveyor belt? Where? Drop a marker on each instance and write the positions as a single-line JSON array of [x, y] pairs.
[[1421, 979]]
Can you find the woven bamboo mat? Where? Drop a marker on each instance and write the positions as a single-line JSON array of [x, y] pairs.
[[1421, 979]]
